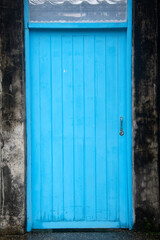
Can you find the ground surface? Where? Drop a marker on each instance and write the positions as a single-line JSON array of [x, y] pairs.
[[108, 235]]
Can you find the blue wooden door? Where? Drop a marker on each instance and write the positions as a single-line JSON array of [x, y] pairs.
[[79, 159]]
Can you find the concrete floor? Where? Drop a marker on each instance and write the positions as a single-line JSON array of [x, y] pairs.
[[108, 235]]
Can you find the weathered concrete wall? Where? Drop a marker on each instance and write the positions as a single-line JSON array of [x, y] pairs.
[[145, 116], [158, 87], [12, 205], [145, 113]]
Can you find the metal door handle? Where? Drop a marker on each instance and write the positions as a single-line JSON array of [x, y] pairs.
[[121, 133]]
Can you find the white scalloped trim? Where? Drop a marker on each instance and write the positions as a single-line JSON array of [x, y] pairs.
[[75, 2]]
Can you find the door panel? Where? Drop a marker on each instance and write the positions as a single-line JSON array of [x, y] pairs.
[[78, 94]]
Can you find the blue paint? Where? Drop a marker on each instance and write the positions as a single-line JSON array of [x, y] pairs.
[[122, 64], [78, 83], [112, 126], [26, 14], [89, 166], [28, 126], [57, 131], [129, 114], [75, 225], [28, 120], [78, 25]]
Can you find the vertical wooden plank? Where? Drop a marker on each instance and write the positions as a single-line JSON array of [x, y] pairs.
[[123, 184], [57, 127], [129, 114], [35, 127], [90, 180], [35, 124], [78, 126], [68, 127], [45, 125], [28, 127], [112, 124], [26, 21], [100, 126]]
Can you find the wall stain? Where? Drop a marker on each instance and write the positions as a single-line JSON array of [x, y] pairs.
[[12, 180], [146, 115]]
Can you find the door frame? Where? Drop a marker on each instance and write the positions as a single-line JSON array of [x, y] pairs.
[[126, 25]]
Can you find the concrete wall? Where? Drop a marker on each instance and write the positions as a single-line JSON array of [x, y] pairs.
[[145, 113], [12, 122], [12, 116]]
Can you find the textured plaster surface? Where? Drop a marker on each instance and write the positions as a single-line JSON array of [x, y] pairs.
[[145, 114], [12, 194]]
